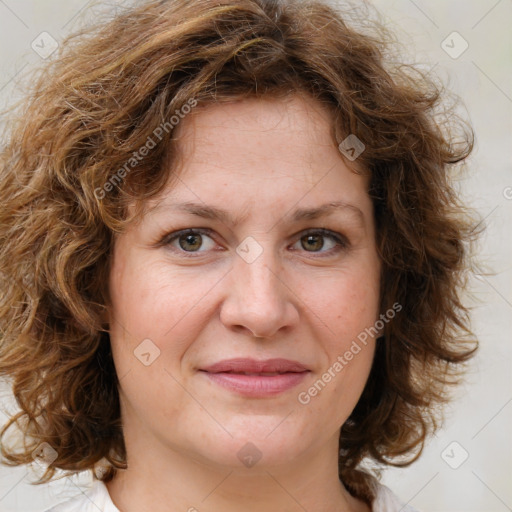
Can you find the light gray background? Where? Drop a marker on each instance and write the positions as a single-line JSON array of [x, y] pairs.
[[479, 420]]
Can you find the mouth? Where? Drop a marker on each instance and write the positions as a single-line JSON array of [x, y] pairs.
[[253, 366], [261, 374], [257, 379]]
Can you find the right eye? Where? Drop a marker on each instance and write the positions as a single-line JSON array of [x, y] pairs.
[[188, 241]]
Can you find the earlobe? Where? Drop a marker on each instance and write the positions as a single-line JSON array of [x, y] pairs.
[[379, 325], [105, 318]]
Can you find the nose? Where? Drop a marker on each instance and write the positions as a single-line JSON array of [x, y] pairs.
[[259, 300]]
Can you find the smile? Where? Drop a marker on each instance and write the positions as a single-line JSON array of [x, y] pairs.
[[256, 379]]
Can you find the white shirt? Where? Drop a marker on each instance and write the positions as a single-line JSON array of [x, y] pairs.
[[97, 499]]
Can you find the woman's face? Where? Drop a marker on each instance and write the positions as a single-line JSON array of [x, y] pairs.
[[197, 317]]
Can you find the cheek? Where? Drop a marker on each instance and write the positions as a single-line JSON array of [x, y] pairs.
[[345, 303], [152, 302], [347, 312], [151, 298], [346, 307]]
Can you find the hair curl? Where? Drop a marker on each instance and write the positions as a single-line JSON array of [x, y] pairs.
[[99, 100]]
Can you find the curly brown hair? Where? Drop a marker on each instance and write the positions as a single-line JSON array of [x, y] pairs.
[[101, 99]]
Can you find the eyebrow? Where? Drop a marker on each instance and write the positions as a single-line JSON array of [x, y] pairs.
[[301, 214]]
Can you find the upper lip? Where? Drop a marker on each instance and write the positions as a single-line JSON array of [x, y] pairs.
[[247, 365]]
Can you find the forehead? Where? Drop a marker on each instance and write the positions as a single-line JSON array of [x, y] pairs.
[[257, 127], [272, 148]]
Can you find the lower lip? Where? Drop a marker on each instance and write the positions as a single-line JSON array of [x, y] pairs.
[[257, 385]]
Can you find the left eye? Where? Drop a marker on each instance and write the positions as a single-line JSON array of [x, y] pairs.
[[192, 240], [315, 240]]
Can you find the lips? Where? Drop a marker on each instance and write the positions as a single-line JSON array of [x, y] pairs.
[[254, 367], [256, 379]]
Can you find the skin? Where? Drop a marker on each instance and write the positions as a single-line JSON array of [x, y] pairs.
[[261, 159]]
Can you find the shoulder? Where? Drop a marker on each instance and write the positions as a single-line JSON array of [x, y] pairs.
[[95, 499], [387, 501]]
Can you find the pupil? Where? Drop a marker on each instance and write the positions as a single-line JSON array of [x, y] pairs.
[[190, 239], [312, 238]]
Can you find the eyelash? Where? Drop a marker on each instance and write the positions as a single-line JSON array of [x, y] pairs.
[[341, 241]]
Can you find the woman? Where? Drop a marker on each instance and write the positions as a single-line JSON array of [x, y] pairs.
[[234, 259]]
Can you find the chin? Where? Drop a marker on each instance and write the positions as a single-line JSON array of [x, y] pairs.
[[255, 447]]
